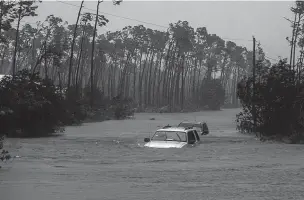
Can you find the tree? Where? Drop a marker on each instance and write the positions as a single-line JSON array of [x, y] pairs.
[[22, 9], [101, 21], [85, 19], [73, 43], [273, 104], [5, 18]]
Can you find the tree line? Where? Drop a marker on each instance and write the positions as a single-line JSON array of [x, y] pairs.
[[155, 68]]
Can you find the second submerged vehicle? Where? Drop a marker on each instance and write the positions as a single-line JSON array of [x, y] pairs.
[[200, 127]]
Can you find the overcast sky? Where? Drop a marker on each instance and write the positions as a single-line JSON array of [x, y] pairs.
[[237, 21]]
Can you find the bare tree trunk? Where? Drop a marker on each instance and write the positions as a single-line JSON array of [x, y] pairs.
[[194, 80], [45, 64], [295, 41], [73, 43], [134, 78], [92, 56], [140, 85], [16, 42], [148, 91], [184, 74], [165, 75], [292, 40], [2, 62], [79, 59], [156, 78], [110, 75]]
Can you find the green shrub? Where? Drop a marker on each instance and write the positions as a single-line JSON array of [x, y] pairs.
[[30, 106], [4, 155], [34, 107], [279, 102]]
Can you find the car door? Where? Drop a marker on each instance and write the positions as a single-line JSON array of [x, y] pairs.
[[197, 136], [192, 141]]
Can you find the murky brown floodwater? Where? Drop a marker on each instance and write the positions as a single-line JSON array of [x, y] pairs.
[[103, 161]]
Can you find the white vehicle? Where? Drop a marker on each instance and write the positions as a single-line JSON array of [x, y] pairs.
[[173, 137]]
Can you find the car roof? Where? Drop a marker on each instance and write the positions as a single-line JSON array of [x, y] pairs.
[[180, 129], [189, 122]]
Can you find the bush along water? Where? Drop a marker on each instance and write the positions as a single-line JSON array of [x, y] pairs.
[[4, 155], [279, 100], [34, 107]]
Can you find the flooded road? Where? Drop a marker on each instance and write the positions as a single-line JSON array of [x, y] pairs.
[[106, 161]]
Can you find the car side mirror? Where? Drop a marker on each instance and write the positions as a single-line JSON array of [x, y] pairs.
[[147, 139], [205, 132]]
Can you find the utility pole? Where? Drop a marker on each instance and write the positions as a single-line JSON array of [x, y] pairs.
[[253, 87]]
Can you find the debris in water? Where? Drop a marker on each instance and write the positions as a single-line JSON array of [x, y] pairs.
[[116, 141]]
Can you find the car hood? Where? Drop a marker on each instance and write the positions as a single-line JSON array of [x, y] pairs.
[[165, 144]]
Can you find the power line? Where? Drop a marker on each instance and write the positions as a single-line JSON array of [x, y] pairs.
[[122, 17], [271, 58], [263, 45], [238, 39], [128, 18], [266, 52]]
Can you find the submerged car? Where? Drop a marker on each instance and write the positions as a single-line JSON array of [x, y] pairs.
[[200, 127], [173, 137]]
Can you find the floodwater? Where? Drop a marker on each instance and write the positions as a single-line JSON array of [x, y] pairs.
[[106, 161]]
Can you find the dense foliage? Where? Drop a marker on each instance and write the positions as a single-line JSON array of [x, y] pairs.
[[277, 92], [4, 155], [278, 101], [31, 106], [35, 107]]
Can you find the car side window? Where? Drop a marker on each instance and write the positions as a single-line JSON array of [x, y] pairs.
[[191, 137], [197, 136]]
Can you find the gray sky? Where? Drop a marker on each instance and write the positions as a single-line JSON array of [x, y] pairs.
[[238, 20]]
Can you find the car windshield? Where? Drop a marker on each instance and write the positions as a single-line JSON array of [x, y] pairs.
[[170, 136]]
